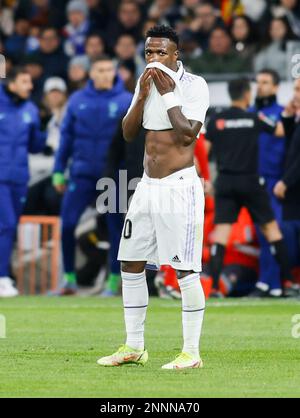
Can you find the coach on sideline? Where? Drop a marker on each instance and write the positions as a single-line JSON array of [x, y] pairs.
[[288, 188], [20, 135]]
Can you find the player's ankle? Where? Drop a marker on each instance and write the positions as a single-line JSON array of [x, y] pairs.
[[192, 352], [134, 346], [70, 278]]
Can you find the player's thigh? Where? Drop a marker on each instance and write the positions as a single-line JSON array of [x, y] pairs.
[[258, 203], [227, 203], [138, 235], [179, 231]]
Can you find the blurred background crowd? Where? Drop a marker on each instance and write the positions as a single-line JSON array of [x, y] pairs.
[[56, 41], [60, 37]]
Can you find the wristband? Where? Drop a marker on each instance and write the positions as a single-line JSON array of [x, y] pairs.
[[170, 100], [58, 179]]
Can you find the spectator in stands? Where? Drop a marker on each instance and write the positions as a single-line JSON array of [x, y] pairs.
[[91, 120], [189, 47], [51, 55], [274, 55], [34, 66], [42, 197], [128, 20], [291, 10], [55, 98], [94, 46], [99, 15], [165, 12], [187, 9], [242, 33], [36, 11], [127, 71], [6, 19], [19, 134], [220, 58], [270, 167], [15, 44], [78, 73], [206, 19], [126, 49], [77, 28], [32, 42], [288, 188]]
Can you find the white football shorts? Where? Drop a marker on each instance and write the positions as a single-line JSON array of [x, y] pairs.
[[164, 223]]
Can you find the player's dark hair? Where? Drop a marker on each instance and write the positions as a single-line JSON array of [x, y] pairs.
[[237, 88], [272, 73], [102, 57], [14, 73], [163, 31]]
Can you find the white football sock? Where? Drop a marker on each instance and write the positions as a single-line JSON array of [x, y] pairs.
[[135, 301], [193, 305]]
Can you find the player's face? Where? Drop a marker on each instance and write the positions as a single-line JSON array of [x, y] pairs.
[[265, 85], [22, 86], [161, 50], [103, 74]]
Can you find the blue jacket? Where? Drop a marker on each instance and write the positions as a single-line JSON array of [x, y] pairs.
[[271, 148], [19, 135], [88, 127]]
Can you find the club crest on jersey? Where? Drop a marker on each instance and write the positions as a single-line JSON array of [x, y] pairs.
[[27, 117], [112, 109]]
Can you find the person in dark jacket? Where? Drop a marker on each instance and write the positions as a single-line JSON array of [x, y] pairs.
[[20, 135], [91, 120], [270, 166], [288, 188], [51, 54]]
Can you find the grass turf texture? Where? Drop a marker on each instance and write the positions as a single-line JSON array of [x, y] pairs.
[[52, 346]]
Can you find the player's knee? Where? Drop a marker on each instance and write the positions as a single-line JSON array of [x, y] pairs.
[[181, 274], [69, 222], [271, 231], [132, 266]]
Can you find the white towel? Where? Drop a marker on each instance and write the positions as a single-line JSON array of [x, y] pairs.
[[155, 114], [190, 90]]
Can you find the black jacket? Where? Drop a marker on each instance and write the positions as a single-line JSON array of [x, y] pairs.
[[291, 177]]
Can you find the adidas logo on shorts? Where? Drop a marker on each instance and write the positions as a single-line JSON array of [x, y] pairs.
[[176, 259]]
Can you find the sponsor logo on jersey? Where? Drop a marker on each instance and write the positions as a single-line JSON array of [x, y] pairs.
[[222, 124]]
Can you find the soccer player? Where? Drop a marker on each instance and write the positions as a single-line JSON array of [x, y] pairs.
[[20, 134], [233, 135], [171, 105]]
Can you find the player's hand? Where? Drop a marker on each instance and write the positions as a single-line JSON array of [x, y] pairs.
[[60, 188], [163, 82], [145, 84], [290, 109], [280, 189], [59, 182], [208, 188]]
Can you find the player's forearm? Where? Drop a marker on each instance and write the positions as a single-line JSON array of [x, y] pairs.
[[181, 126], [132, 123]]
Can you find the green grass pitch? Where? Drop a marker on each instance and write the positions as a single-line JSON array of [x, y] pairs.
[[52, 346]]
